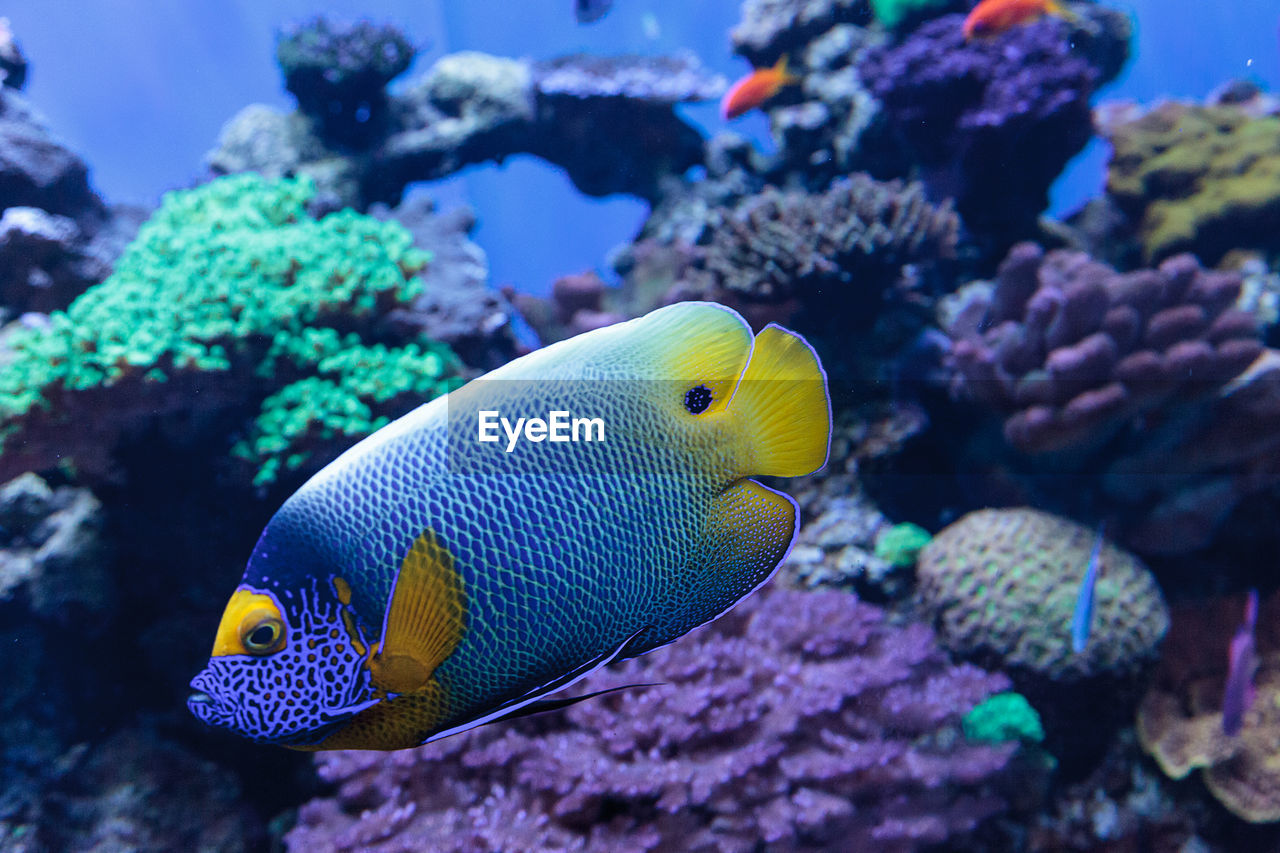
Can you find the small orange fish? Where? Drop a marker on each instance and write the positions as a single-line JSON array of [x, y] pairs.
[[756, 88], [992, 17]]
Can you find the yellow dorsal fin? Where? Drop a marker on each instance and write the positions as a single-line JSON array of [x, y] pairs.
[[426, 618], [783, 405], [785, 77], [1053, 7]]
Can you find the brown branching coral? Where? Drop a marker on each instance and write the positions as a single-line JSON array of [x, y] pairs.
[[777, 245]]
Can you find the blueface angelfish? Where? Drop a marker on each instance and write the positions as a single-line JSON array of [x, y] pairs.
[[425, 582]]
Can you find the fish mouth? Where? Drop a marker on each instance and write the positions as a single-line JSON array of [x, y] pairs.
[[199, 698]]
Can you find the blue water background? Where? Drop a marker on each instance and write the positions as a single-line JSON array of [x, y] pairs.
[[140, 88]]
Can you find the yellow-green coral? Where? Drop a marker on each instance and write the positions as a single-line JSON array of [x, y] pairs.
[[1198, 179], [220, 282]]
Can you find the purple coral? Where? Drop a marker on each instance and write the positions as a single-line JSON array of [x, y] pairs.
[[991, 121], [1070, 350], [803, 720]]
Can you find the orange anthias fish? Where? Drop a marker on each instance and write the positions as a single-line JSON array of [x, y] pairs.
[[756, 88], [992, 17]]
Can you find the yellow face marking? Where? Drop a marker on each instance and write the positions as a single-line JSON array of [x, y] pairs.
[[251, 625], [343, 590]]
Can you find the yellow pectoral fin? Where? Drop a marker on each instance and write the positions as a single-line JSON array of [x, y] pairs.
[[426, 618]]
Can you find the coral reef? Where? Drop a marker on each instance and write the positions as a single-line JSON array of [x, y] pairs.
[[1202, 179], [51, 551], [992, 122], [772, 28], [1073, 351], [56, 235], [901, 544], [339, 74], [1109, 374], [609, 123], [1003, 584], [13, 62], [230, 294], [836, 546], [902, 14], [1180, 718], [456, 306], [803, 720], [136, 791], [775, 245]]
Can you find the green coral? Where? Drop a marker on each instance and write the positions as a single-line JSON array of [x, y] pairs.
[[1198, 179], [348, 398], [893, 13], [1003, 717], [230, 294], [899, 545]]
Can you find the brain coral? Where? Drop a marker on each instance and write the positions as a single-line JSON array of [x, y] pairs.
[[1203, 179], [1003, 583]]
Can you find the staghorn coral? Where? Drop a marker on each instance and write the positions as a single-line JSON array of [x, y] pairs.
[[1003, 583], [780, 245], [992, 122], [609, 122], [1202, 179], [219, 282], [1180, 718], [801, 721], [1072, 351]]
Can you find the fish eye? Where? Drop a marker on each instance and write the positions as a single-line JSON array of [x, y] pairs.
[[697, 399], [261, 633]]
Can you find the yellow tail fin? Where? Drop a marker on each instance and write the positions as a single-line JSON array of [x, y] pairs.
[[783, 404]]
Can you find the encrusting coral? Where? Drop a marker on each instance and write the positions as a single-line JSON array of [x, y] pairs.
[[1180, 718], [230, 294], [802, 720], [1202, 179], [1003, 584]]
